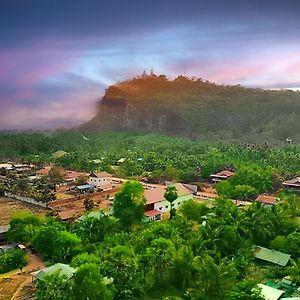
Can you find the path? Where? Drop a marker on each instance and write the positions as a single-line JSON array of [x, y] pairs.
[[22, 279]]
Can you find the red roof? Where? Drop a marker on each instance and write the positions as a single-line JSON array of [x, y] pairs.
[[157, 194], [266, 199], [74, 175], [44, 171], [223, 174], [152, 213]]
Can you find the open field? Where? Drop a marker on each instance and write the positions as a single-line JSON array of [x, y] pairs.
[[15, 285], [9, 206]]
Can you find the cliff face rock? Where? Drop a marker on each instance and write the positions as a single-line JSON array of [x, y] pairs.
[[197, 108]]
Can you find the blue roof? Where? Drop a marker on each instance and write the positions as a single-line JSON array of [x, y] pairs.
[[84, 187]]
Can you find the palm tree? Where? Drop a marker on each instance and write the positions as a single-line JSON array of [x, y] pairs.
[[171, 195]]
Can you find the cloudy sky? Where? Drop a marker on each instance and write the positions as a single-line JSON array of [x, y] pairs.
[[58, 56]]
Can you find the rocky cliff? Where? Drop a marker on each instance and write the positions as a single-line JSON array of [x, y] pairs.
[[197, 108]]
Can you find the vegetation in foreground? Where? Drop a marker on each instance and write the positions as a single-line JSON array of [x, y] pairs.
[[201, 253]]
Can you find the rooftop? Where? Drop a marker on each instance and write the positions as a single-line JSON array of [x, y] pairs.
[[152, 213], [295, 182], [100, 174], [270, 293], [266, 199], [4, 228], [84, 187], [223, 174], [156, 194], [61, 269], [270, 255]]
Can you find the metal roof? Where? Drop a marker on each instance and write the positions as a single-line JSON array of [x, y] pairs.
[[84, 187], [273, 256], [61, 269], [4, 228], [270, 293]]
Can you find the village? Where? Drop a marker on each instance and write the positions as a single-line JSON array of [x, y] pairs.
[[71, 195]]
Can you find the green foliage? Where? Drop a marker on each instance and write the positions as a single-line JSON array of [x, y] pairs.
[[171, 195], [12, 259], [193, 210], [128, 205], [55, 244], [23, 227], [88, 204], [93, 230], [53, 287], [89, 284], [245, 290]]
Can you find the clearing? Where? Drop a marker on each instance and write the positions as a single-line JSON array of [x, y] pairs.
[[9, 206]]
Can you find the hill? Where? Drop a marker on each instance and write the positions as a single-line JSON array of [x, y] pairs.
[[197, 108]]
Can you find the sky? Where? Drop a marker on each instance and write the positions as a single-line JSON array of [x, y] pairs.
[[58, 56]]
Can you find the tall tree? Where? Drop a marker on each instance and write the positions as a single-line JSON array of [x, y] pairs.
[[171, 195], [129, 203]]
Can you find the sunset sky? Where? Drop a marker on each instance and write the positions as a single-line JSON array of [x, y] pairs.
[[58, 56]]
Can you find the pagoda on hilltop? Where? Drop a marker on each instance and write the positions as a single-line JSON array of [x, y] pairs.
[[145, 75]]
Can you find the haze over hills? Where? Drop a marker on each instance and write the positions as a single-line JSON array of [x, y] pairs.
[[198, 108]]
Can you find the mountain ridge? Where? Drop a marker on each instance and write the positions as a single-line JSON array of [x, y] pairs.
[[196, 108]]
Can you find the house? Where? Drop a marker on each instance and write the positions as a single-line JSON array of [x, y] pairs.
[[8, 247], [70, 215], [266, 200], [101, 180], [121, 160], [156, 204], [220, 176], [22, 167], [84, 188], [6, 166], [207, 195], [60, 269], [293, 184], [71, 176], [3, 230], [44, 171], [272, 256], [153, 215], [270, 293], [96, 161]]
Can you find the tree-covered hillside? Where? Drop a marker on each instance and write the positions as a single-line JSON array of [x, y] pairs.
[[197, 108]]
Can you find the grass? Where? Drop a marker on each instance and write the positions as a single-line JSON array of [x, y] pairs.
[[163, 293]]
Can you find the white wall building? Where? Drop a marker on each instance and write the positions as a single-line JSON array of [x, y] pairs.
[[101, 180]]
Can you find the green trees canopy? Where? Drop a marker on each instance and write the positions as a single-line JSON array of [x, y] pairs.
[[129, 203]]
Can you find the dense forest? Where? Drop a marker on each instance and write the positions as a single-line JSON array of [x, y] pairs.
[[198, 108], [156, 158], [148, 154]]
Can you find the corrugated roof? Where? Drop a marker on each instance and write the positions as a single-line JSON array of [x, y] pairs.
[[84, 186], [223, 174], [270, 293], [295, 181], [62, 269], [266, 199], [4, 228], [270, 255], [100, 174], [152, 213], [156, 194]]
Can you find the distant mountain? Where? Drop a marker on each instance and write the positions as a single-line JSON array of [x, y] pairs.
[[197, 108]]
